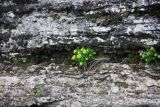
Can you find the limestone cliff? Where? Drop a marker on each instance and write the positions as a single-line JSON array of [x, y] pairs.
[[47, 30]]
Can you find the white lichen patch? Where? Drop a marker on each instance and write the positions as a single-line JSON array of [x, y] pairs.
[[149, 42], [9, 80], [101, 29]]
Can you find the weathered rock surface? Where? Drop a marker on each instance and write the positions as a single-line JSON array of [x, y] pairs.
[[118, 24], [111, 84]]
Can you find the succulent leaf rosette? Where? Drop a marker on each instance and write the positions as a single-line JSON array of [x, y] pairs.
[[82, 55], [149, 55]]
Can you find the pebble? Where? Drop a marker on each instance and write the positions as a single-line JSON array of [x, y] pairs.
[[1, 66], [76, 104], [114, 90], [150, 82]]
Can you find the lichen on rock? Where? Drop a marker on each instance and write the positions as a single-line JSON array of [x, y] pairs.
[[43, 32]]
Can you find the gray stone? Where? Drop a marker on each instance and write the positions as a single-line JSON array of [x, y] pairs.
[[150, 82], [2, 66], [76, 104], [115, 90], [16, 68], [115, 26], [65, 90], [29, 29]]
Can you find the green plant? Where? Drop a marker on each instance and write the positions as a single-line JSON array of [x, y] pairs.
[[149, 55], [121, 84], [40, 91], [22, 59], [82, 55], [19, 59], [97, 15]]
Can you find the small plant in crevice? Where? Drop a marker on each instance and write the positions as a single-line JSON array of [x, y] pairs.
[[121, 84], [22, 59], [40, 91], [150, 55], [19, 60], [131, 58], [97, 15], [83, 55]]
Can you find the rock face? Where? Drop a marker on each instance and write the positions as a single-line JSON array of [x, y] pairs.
[[110, 84], [115, 26], [119, 24]]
